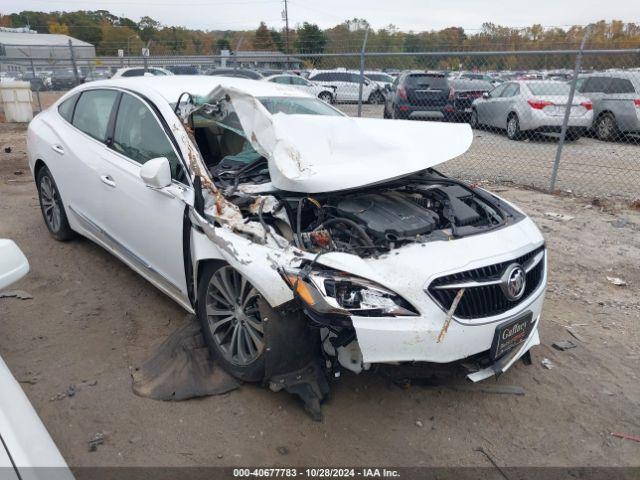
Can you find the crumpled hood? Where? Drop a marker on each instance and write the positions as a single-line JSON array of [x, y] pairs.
[[317, 153]]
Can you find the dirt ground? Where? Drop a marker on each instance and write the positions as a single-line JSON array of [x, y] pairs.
[[91, 318]]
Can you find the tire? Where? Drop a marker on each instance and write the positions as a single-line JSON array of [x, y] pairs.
[[473, 119], [52, 206], [325, 97], [606, 127], [227, 309], [376, 98], [513, 127]]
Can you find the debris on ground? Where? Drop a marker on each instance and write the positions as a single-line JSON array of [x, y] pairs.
[[563, 345], [181, 368], [98, 439], [71, 391], [21, 294], [283, 450], [563, 217], [18, 172], [7, 149], [617, 281], [493, 462], [546, 363], [575, 335], [625, 436], [620, 223], [419, 424]]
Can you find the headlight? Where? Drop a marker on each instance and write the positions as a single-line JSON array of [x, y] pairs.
[[333, 293]]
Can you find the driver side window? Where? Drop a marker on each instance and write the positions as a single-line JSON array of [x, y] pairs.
[[496, 92], [139, 136]]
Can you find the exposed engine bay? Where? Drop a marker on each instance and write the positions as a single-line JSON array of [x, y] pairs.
[[374, 220]]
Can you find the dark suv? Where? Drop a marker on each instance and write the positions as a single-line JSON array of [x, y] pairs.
[[432, 96]]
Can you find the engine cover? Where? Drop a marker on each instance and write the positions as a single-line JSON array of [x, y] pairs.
[[388, 215]]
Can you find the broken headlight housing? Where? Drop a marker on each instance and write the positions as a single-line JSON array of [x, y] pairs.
[[330, 293]]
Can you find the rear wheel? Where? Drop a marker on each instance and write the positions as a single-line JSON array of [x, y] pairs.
[[325, 97], [52, 207], [376, 98], [473, 120], [231, 322], [606, 127], [513, 127]]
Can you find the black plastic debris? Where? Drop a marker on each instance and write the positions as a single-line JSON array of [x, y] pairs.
[[181, 368]]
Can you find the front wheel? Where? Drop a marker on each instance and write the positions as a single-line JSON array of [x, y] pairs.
[[52, 207], [231, 322]]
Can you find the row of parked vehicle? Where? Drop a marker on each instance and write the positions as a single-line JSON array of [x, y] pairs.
[[606, 104]]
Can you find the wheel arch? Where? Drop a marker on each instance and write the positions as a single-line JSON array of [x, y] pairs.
[[39, 165]]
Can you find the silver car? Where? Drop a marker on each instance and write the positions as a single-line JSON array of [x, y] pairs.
[[520, 107], [616, 102]]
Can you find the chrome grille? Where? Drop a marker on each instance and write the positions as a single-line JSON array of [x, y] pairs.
[[483, 296]]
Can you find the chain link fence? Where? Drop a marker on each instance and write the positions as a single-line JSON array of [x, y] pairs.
[[564, 120]]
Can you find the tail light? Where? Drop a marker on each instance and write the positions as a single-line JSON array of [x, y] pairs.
[[587, 105], [539, 104], [402, 93], [636, 102]]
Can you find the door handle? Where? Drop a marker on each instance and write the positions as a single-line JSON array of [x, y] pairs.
[[108, 180], [58, 149]]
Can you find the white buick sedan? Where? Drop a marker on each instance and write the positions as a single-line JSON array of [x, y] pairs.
[[303, 239]]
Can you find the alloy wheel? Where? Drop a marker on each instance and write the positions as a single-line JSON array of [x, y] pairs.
[[233, 317], [50, 203]]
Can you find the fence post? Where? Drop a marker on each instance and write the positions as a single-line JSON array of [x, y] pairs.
[[33, 71], [73, 63], [364, 46], [567, 111]]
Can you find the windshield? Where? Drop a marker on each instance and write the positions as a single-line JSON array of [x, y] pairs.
[[548, 88], [298, 106]]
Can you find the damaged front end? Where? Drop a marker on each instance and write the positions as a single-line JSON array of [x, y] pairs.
[[354, 223]]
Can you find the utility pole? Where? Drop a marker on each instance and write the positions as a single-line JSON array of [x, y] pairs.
[[286, 32]]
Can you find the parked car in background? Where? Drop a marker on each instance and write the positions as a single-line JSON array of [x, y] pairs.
[[616, 102], [384, 80], [495, 81], [26, 448], [97, 74], [532, 106], [141, 72], [183, 69], [235, 73], [432, 96], [321, 91], [37, 83], [347, 86], [65, 79]]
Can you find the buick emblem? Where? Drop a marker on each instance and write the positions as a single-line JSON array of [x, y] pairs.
[[513, 282]]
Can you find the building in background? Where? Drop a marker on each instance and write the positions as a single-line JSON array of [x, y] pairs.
[[17, 44]]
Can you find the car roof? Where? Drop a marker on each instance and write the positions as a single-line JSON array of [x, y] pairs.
[[170, 87]]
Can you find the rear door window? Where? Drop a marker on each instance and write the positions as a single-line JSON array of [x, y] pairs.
[[93, 111], [596, 85], [65, 109], [620, 85], [511, 90]]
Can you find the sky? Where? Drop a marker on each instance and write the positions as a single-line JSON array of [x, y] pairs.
[[417, 15]]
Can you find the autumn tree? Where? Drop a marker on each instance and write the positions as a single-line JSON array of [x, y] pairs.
[[263, 39]]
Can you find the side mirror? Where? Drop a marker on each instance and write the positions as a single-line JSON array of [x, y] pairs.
[[156, 173], [485, 95], [13, 263]]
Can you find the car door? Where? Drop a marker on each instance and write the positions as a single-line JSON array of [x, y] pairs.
[[146, 224], [505, 104], [487, 110], [80, 147]]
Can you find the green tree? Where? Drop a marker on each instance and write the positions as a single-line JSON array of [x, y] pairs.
[[263, 39], [310, 39], [148, 28], [223, 44], [277, 39]]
